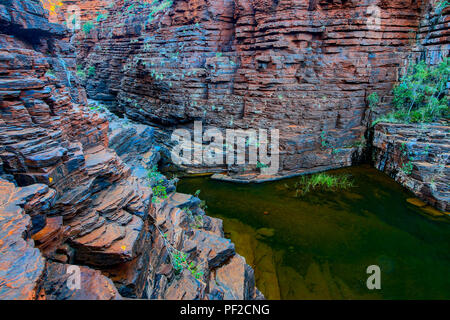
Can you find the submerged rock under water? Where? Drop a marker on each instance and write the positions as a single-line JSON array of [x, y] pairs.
[[319, 246]]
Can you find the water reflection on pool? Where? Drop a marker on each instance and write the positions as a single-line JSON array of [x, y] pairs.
[[318, 246]]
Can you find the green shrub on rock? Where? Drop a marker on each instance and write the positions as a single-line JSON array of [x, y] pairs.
[[421, 95], [91, 71], [87, 27]]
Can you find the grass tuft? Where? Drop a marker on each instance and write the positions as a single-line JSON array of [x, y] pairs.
[[322, 181]]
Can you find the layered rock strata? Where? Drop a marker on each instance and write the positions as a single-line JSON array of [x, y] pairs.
[[69, 200], [24, 273], [303, 67], [417, 156], [434, 32]]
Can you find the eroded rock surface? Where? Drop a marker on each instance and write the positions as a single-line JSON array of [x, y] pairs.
[[93, 285], [204, 242], [303, 67], [417, 156], [21, 264], [67, 199]]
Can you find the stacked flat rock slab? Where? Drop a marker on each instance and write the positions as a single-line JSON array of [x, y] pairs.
[[226, 275], [23, 270], [417, 156], [97, 212], [66, 198], [179, 224], [93, 285], [21, 265], [434, 34], [303, 67]]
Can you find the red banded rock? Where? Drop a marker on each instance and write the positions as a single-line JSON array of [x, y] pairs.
[[96, 213], [112, 230], [417, 156], [132, 278], [215, 250], [204, 247], [234, 280], [23, 271], [185, 288], [93, 285], [49, 240], [109, 243], [301, 68], [21, 265]]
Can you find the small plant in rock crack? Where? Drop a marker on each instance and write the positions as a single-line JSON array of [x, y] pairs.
[[260, 165], [373, 100], [179, 260], [80, 72], [153, 172], [91, 71], [323, 140], [159, 191], [50, 72], [407, 166], [426, 150], [196, 221], [101, 17], [96, 107], [359, 143], [203, 205], [440, 6], [87, 27]]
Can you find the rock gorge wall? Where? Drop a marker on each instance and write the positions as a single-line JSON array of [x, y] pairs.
[[418, 155], [303, 67], [433, 36], [67, 199]]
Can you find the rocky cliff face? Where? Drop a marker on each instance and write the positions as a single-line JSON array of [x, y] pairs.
[[68, 199], [74, 189], [417, 156], [303, 67], [433, 33]]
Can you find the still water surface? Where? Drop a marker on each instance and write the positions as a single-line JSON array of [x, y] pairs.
[[318, 246]]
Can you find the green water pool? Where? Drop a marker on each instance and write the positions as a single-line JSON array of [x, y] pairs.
[[319, 246]]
